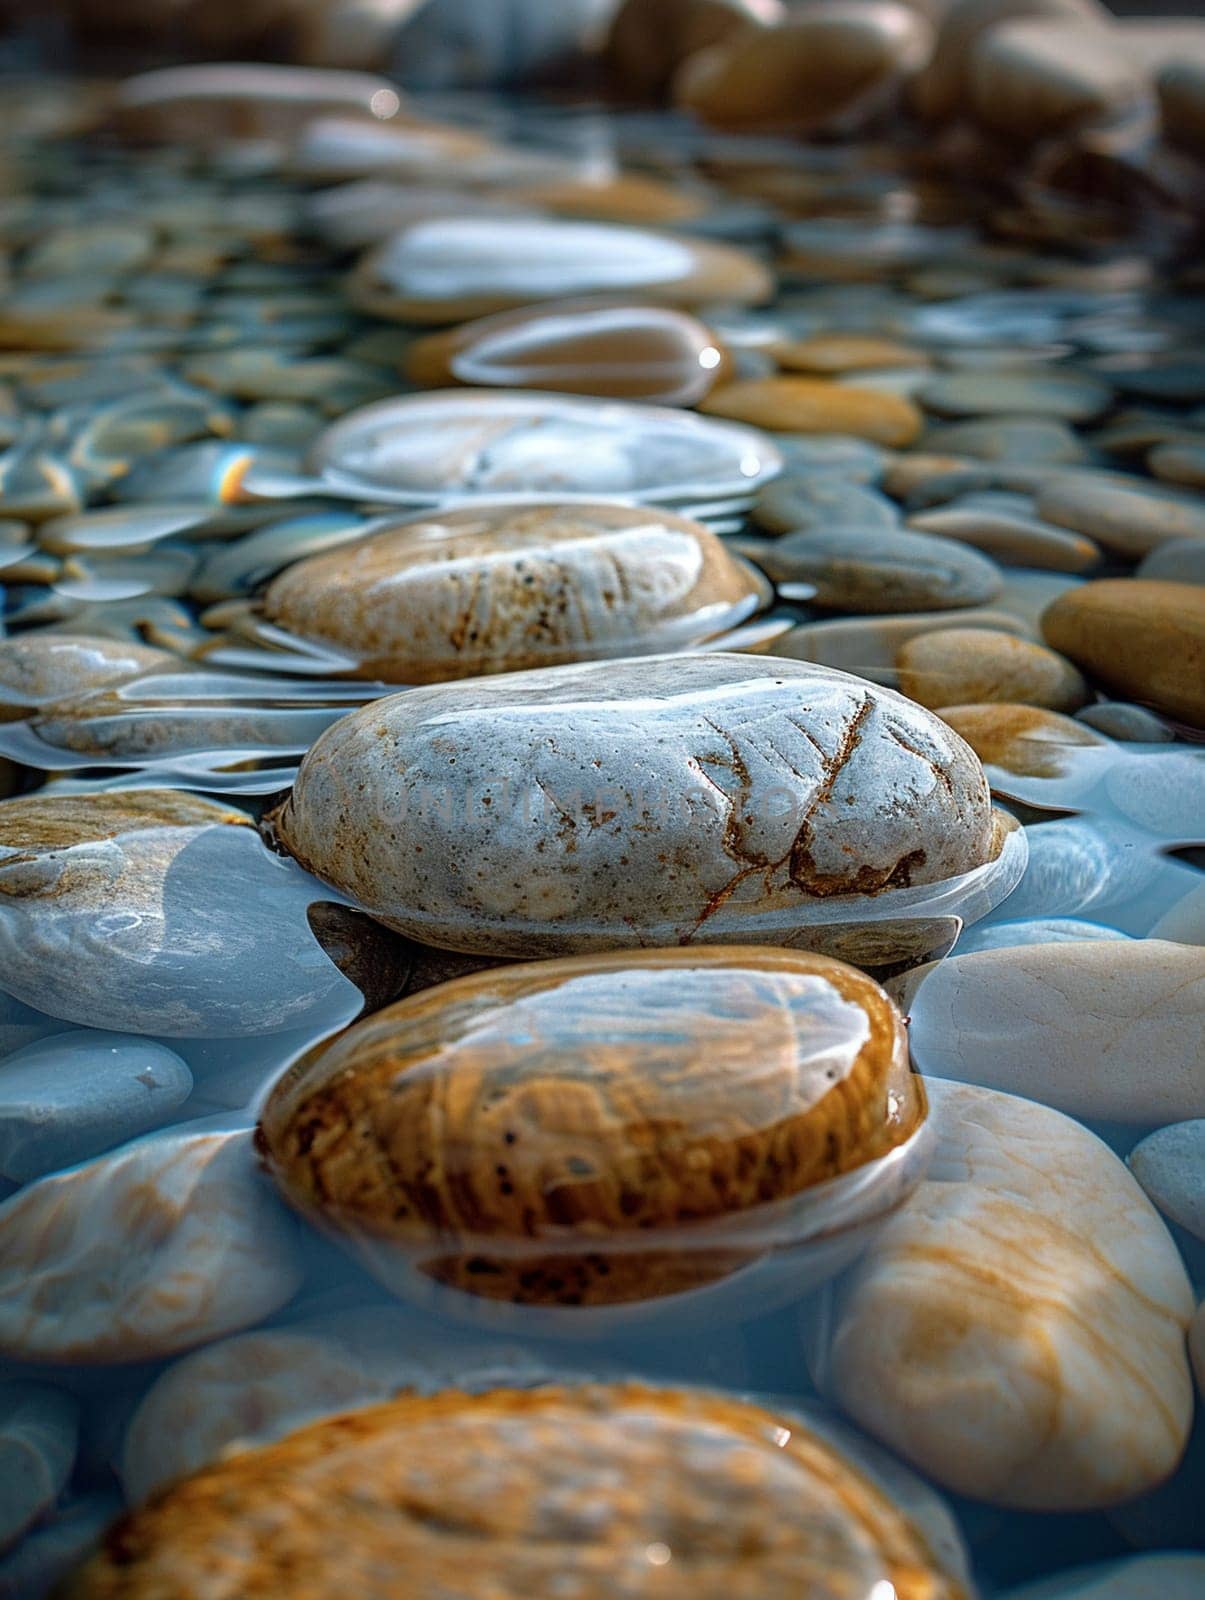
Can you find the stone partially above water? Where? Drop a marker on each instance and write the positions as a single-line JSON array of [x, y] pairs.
[[39, 668], [166, 1243], [710, 798], [505, 588], [1106, 1030], [520, 1118], [1017, 1330]]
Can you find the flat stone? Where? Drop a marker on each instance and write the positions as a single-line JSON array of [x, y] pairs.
[[1034, 930], [881, 570], [817, 502], [830, 354], [813, 405], [1131, 724], [1045, 392], [819, 64], [166, 1243], [1154, 1577], [634, 352], [868, 646], [1036, 78], [463, 593], [1005, 438], [205, 104], [972, 666], [1170, 1166], [549, 847], [1140, 638], [1009, 1392], [1026, 740], [449, 269], [1002, 527], [39, 1428], [1179, 463], [1130, 516], [67, 1098], [1104, 1030], [1178, 561], [37, 669]]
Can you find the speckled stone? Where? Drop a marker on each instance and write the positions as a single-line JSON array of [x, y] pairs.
[[567, 791], [617, 1470], [1130, 516], [1170, 1166], [1027, 740], [1104, 1030], [881, 570], [781, 1070], [960, 1338], [813, 405], [166, 1243], [1140, 638], [972, 666]]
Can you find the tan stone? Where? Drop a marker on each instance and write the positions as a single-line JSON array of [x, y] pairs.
[[1141, 638], [37, 668], [649, 39], [624, 197], [1026, 740], [831, 60], [812, 405], [577, 347], [615, 1479], [973, 666], [1031, 80], [825, 354]]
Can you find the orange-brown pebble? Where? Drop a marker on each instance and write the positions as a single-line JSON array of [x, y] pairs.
[[576, 347], [513, 1132], [649, 39], [973, 666], [1138, 637], [825, 354], [505, 588], [1027, 740], [626, 1489], [812, 405]]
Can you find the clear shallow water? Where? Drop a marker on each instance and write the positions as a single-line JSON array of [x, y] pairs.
[[128, 1263]]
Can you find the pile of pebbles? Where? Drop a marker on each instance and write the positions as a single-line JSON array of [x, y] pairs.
[[602, 814]]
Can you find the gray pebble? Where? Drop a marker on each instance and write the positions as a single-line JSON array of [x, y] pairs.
[[1181, 561], [1132, 724], [39, 1430], [1170, 1166], [877, 570]]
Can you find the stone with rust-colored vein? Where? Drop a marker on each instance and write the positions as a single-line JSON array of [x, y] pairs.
[[1017, 1330]]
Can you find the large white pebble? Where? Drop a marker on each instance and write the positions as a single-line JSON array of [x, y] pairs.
[[1109, 1030], [1017, 1329], [69, 1097], [39, 1428], [165, 1243]]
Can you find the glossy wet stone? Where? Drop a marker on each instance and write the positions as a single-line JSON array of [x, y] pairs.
[[69, 1097], [161, 1245], [632, 352], [538, 1090], [793, 503], [1128, 515], [115, 912], [1027, 740], [880, 570], [620, 1471], [1105, 1030], [1180, 561], [1036, 930], [39, 668], [698, 798], [449, 269], [1141, 638], [38, 1434], [1068, 1387], [1004, 528], [968, 666], [507, 588], [812, 405], [1170, 1166]]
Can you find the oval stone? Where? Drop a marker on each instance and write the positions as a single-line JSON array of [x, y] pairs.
[[1017, 1330], [1141, 638], [1036, 78], [974, 666], [1129, 516], [609, 1473], [633, 352], [1044, 392], [518, 1114], [1170, 1166], [506, 588], [39, 668], [881, 570], [671, 799], [1027, 740], [39, 1430], [1108, 1030], [446, 269], [207, 103], [813, 405], [649, 39]]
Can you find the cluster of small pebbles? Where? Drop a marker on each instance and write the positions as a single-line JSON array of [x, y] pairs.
[[602, 813]]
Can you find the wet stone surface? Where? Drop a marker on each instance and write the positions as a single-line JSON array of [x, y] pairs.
[[601, 782]]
